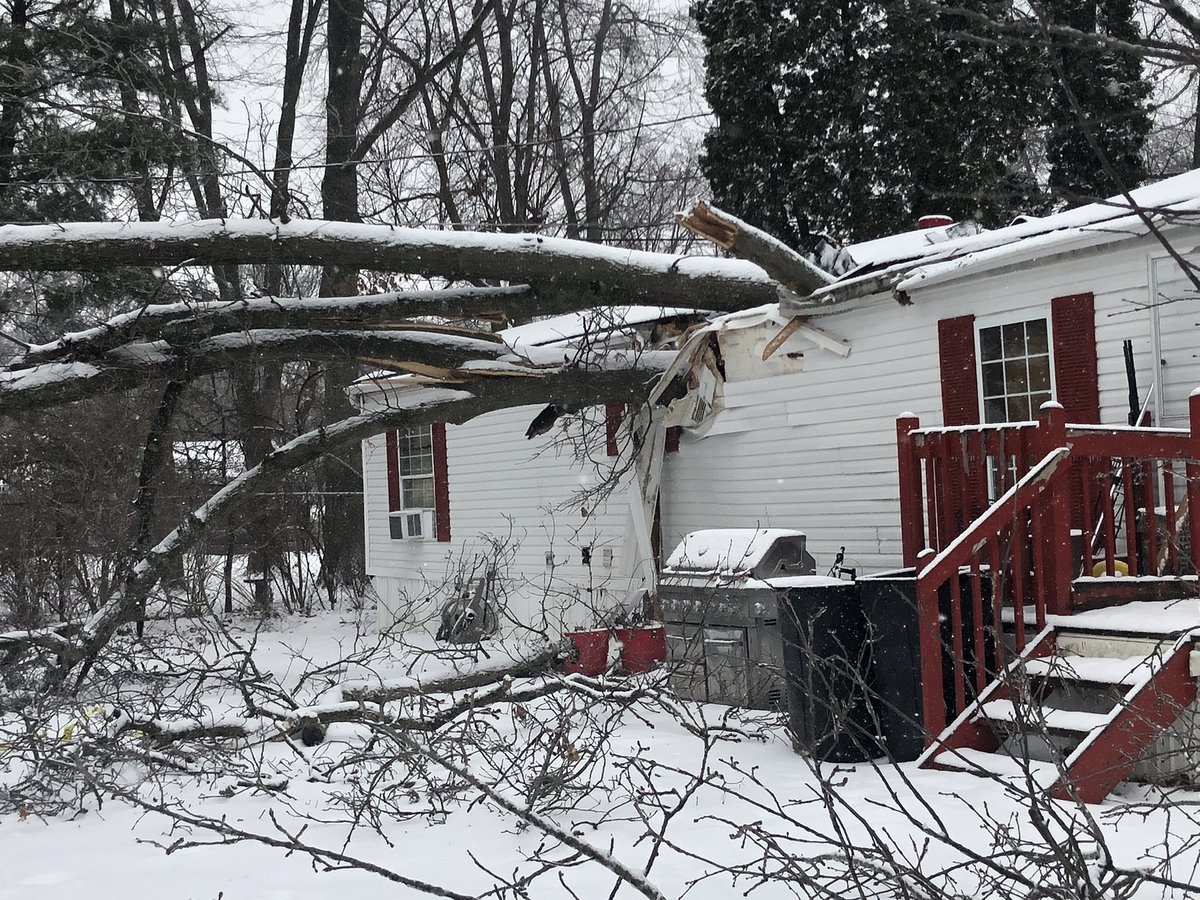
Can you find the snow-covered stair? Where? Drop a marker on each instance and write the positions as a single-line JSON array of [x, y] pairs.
[[1089, 751]]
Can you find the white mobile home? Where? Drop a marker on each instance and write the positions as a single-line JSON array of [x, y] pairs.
[[952, 324], [554, 519]]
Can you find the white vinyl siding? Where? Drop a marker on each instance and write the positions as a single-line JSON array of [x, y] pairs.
[[817, 450], [512, 504], [813, 449]]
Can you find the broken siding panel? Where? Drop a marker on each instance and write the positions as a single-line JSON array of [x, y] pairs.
[[820, 460]]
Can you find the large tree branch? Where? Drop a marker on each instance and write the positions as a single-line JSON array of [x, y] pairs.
[[791, 269], [596, 275], [177, 322], [130, 365]]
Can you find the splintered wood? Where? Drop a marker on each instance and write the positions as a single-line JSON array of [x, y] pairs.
[[791, 269]]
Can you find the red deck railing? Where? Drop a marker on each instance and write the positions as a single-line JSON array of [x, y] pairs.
[[1031, 506]]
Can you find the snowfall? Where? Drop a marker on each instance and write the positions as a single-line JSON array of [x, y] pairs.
[[106, 847]]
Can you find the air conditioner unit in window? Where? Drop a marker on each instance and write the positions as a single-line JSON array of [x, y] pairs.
[[412, 524]]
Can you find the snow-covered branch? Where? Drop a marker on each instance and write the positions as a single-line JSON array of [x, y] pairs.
[[794, 271], [130, 365], [177, 322], [592, 274]]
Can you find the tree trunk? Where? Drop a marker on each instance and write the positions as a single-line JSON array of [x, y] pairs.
[[344, 563], [12, 80], [592, 276]]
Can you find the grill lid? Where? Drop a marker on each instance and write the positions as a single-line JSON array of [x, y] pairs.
[[735, 552]]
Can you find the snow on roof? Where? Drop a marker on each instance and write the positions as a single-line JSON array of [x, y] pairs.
[[726, 550], [536, 342], [1031, 238], [578, 324], [908, 245]]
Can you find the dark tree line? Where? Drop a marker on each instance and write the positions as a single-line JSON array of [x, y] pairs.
[[855, 117]]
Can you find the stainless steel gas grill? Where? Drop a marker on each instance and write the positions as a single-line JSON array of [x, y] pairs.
[[719, 607]]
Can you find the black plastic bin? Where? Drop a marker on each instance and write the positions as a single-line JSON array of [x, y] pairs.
[[827, 671], [889, 606]]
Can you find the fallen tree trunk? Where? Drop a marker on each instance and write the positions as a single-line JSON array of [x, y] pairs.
[[593, 274]]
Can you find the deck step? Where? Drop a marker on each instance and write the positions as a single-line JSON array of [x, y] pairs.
[[1101, 748], [1000, 765], [1068, 723], [1091, 670]]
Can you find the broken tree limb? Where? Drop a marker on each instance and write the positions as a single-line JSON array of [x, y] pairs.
[[441, 702], [635, 880], [177, 322], [800, 325], [791, 269], [131, 365], [781, 338], [592, 274], [536, 664]]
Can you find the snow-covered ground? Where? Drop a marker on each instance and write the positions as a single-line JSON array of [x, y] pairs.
[[753, 817]]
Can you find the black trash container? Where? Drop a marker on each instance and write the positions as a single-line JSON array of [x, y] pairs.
[[826, 670], [889, 605]]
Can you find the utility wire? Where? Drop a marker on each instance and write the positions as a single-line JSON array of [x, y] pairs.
[[379, 160]]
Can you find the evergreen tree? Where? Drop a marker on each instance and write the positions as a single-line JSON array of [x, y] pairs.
[[83, 95], [955, 117], [1108, 86], [744, 157], [87, 95], [879, 112]]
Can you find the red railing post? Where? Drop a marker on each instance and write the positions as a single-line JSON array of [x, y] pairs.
[[1192, 472], [1052, 434], [912, 525], [929, 626]]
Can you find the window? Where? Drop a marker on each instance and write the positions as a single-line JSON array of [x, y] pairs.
[[1014, 362], [414, 454], [413, 465]]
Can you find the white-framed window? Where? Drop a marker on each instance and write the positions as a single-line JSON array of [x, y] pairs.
[[415, 483], [1016, 375]]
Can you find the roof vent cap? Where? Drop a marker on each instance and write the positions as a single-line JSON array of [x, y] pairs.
[[934, 221]]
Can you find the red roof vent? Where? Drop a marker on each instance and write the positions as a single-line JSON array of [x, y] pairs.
[[938, 221]]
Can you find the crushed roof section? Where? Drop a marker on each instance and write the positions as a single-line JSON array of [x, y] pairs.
[[572, 326], [543, 338]]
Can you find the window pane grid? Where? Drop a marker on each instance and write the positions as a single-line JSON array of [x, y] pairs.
[[1015, 369], [414, 450]]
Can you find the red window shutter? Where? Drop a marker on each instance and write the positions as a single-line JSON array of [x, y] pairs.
[[672, 443], [441, 482], [1073, 323], [960, 385], [613, 412], [393, 473]]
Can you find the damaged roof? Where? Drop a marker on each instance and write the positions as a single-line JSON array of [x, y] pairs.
[[904, 263]]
